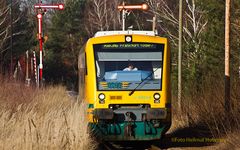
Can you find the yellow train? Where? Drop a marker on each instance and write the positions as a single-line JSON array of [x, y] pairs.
[[124, 77]]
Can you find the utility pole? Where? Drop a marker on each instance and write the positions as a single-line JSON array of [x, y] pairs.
[[227, 56], [180, 56], [154, 23], [11, 40]]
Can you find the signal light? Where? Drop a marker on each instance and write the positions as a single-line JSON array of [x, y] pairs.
[[61, 6], [39, 16], [144, 6]]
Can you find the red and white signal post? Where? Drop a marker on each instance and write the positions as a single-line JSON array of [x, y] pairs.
[[124, 8], [41, 8]]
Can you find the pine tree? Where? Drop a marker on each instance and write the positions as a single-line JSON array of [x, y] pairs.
[[66, 37]]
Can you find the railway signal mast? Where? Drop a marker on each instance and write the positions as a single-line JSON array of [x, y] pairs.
[[41, 8], [125, 8]]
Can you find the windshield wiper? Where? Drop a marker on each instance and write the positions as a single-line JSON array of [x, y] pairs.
[[131, 93]]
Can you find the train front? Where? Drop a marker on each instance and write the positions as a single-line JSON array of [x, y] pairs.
[[131, 87]]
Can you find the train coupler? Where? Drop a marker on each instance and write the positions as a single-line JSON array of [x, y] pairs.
[[129, 128]]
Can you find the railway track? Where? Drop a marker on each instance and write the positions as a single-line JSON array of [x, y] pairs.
[[108, 146], [128, 146], [153, 147]]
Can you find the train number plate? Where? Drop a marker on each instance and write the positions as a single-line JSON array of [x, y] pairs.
[[114, 85]]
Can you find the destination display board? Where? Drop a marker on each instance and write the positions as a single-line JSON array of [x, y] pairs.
[[129, 46]]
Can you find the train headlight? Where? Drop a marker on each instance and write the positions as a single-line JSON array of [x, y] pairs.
[[156, 97], [101, 97]]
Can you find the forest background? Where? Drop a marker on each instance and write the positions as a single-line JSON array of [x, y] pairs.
[[68, 30]]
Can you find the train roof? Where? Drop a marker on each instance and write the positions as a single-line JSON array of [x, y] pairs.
[[128, 32]]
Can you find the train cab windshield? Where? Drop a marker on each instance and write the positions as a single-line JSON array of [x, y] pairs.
[[123, 66]]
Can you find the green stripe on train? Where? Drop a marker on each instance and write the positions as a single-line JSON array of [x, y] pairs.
[[117, 132]]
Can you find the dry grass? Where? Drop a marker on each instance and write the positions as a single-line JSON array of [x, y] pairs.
[[41, 119], [50, 119], [204, 111]]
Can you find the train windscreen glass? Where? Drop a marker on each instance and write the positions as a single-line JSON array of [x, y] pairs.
[[123, 66]]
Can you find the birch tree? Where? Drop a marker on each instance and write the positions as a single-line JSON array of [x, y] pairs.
[[4, 24], [194, 25], [193, 21], [20, 31], [102, 15]]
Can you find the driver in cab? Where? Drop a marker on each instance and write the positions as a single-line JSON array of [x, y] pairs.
[[130, 68]]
